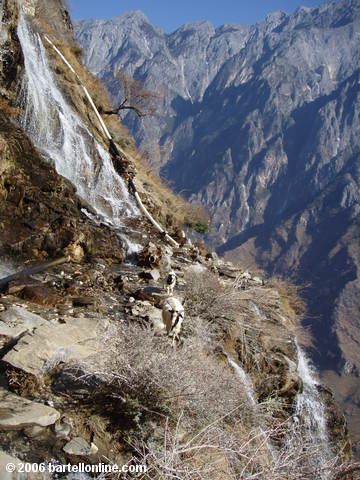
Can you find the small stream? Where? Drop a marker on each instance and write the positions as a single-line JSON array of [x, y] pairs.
[[310, 415], [249, 390]]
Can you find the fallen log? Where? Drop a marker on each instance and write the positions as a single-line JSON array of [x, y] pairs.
[[31, 270]]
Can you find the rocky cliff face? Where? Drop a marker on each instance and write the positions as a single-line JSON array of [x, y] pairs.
[[263, 130], [87, 372], [180, 67]]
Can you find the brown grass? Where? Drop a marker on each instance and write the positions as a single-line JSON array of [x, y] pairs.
[[170, 208], [295, 309], [8, 109]]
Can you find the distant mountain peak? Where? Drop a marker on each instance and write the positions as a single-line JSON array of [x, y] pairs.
[[260, 124], [134, 15]]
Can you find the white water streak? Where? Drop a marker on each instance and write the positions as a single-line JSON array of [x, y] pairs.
[[309, 426], [6, 269], [249, 390], [309, 406], [244, 380], [63, 137]]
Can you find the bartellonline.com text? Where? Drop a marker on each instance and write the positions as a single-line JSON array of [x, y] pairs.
[[74, 468]]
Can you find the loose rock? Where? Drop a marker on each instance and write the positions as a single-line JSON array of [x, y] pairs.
[[17, 412]]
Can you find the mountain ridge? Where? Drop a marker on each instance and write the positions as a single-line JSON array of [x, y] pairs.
[[261, 125]]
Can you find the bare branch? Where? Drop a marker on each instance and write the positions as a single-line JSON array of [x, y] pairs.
[[136, 97]]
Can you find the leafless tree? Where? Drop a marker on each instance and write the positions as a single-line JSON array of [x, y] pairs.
[[135, 97]]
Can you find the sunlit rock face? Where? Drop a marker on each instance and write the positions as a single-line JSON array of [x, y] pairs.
[[179, 67], [29, 7], [67, 331], [261, 125]]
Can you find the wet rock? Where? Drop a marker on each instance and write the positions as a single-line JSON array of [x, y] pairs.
[[336, 422], [29, 7], [350, 369], [17, 413]]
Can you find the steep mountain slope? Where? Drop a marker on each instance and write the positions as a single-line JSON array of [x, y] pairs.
[[89, 378], [180, 67], [267, 138]]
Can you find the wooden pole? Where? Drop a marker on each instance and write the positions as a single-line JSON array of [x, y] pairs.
[[31, 270], [113, 146]]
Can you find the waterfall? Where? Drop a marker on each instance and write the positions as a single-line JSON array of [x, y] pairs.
[[310, 410], [3, 33], [64, 139], [249, 390], [308, 434], [240, 372], [308, 403]]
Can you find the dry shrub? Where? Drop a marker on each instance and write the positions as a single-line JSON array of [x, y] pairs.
[[290, 295], [168, 207], [212, 453], [144, 369], [7, 109], [216, 454], [218, 304], [223, 305]]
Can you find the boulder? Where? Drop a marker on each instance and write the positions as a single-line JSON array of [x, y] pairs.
[[5, 459], [50, 344], [154, 295], [152, 274], [17, 413], [78, 447], [14, 323]]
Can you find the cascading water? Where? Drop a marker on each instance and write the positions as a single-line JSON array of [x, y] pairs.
[[308, 438], [3, 33], [249, 390], [309, 404], [60, 134], [240, 372]]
